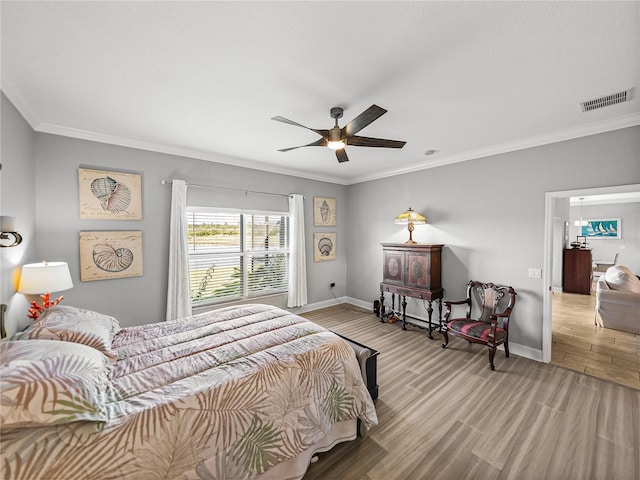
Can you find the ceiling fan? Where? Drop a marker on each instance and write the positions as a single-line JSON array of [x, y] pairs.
[[337, 138]]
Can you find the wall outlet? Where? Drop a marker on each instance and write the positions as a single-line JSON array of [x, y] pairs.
[[332, 284], [535, 273]]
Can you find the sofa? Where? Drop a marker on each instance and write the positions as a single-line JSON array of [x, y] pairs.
[[618, 300]]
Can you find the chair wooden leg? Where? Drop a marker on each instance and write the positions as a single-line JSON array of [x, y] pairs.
[[506, 348], [492, 354], [446, 338]]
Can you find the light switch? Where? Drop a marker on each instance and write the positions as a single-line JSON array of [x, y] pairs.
[[535, 273]]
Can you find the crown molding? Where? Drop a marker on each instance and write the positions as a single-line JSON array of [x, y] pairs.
[[617, 123], [88, 135], [536, 141], [9, 86]]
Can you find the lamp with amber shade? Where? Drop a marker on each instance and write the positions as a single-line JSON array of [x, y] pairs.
[[410, 218]]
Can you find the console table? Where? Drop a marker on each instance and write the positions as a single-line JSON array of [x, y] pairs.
[[411, 271]]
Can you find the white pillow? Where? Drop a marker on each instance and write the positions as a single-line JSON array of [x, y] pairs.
[[620, 277], [77, 325]]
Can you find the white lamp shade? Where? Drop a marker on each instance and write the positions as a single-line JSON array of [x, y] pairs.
[[45, 277]]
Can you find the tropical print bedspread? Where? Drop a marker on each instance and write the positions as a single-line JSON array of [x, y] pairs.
[[220, 395]]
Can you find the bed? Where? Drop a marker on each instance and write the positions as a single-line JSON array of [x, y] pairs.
[[237, 393]]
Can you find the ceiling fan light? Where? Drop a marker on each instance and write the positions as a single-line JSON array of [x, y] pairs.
[[335, 140], [336, 145]]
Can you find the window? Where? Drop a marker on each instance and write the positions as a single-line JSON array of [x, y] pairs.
[[235, 255]]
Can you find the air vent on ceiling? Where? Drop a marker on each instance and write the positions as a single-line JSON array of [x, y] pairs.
[[607, 100]]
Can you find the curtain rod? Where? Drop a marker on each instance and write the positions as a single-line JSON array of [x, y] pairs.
[[169, 182]]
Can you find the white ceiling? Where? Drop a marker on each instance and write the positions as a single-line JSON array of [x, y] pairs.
[[203, 79]]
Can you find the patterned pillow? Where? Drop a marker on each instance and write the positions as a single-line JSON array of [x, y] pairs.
[[73, 324], [47, 382]]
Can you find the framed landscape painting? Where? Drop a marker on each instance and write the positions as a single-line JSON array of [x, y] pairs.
[[107, 255], [606, 228], [109, 195]]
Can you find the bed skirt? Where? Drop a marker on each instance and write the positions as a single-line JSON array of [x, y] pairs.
[[295, 468]]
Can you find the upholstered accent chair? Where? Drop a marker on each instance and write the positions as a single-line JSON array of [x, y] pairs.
[[488, 308], [618, 300]]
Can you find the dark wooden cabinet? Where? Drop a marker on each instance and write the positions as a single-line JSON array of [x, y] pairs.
[[576, 271], [411, 271]]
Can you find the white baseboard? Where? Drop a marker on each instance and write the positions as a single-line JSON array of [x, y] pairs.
[[359, 303], [524, 351], [515, 348], [310, 307]]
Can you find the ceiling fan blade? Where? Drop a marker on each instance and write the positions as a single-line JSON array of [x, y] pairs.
[[323, 133], [321, 142], [365, 118], [342, 155], [286, 120], [357, 141]]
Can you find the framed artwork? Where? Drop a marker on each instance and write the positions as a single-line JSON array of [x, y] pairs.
[[607, 228], [109, 195], [324, 212], [324, 247], [107, 255]]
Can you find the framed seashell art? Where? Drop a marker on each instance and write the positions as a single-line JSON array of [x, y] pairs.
[[324, 247], [324, 212], [105, 255], [109, 195]]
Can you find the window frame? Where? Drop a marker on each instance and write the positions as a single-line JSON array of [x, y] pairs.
[[245, 253]]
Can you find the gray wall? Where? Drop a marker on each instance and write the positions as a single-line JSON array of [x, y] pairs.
[[53, 176], [627, 247], [17, 199], [141, 300], [490, 214]]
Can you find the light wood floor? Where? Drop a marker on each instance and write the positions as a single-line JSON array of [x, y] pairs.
[[444, 415], [580, 345]]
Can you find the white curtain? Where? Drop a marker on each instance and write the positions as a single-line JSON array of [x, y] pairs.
[[178, 294], [297, 257]]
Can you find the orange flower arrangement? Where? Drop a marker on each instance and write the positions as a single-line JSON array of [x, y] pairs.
[[36, 310]]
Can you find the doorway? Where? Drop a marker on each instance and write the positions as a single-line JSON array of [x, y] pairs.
[[554, 201]]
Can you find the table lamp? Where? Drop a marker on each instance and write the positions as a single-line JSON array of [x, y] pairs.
[[410, 217], [42, 279]]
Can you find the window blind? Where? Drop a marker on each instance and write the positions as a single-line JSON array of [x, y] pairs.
[[236, 254]]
